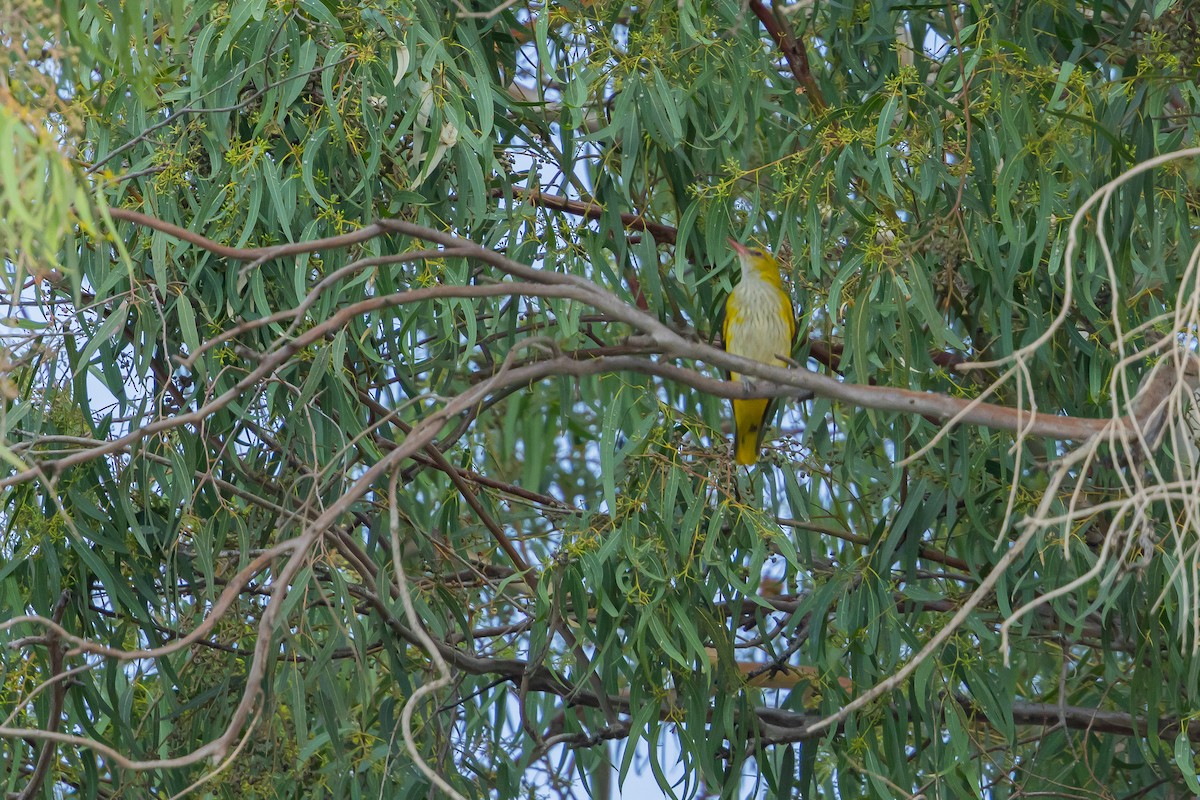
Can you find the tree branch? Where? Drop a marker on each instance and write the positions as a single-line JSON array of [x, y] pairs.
[[793, 52]]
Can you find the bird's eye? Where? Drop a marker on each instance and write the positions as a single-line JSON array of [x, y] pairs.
[[756, 253]]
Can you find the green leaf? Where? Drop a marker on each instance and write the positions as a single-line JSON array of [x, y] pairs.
[[187, 323], [1186, 762], [239, 16], [108, 330]]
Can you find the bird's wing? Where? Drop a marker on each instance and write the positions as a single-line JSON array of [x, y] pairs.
[[727, 317]]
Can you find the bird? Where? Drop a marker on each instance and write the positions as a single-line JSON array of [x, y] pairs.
[[760, 323]]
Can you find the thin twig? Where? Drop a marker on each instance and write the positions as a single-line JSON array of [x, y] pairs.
[[414, 623]]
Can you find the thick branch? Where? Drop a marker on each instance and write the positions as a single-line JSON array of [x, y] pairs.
[[783, 382], [792, 727], [793, 52]]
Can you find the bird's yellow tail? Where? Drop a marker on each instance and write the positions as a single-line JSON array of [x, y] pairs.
[[749, 416]]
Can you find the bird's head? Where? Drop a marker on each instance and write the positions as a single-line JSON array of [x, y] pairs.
[[757, 262]]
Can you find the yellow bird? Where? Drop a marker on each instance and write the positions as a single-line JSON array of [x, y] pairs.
[[759, 324]]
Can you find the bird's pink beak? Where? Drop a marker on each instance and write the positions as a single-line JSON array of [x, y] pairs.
[[741, 249]]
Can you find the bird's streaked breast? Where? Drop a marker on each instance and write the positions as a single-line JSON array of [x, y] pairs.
[[759, 324]]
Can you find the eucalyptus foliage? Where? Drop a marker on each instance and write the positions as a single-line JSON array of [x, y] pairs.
[[203, 412]]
